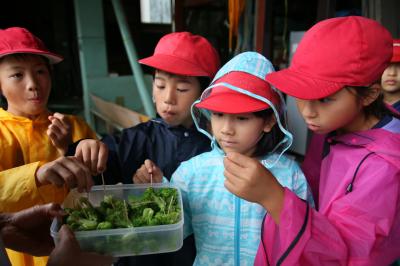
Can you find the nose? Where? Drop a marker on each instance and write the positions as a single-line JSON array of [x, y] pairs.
[[170, 96], [227, 126], [391, 70], [32, 82], [306, 108]]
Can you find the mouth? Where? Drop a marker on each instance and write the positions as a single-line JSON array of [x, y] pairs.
[[35, 99], [390, 82], [312, 127], [169, 113], [227, 143]]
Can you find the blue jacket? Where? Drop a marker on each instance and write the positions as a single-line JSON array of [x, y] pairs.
[[165, 145], [226, 228]]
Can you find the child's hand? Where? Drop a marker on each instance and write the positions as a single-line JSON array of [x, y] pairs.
[[148, 173], [59, 132], [92, 153], [65, 170], [247, 178]]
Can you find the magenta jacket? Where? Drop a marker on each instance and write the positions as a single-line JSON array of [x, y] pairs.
[[358, 221]]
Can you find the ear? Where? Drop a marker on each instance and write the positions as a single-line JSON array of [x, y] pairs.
[[269, 124], [375, 90]]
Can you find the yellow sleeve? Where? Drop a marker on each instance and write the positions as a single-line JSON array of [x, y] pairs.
[[18, 189], [80, 129]]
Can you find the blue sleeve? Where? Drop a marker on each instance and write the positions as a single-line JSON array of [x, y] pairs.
[[178, 179], [133, 148]]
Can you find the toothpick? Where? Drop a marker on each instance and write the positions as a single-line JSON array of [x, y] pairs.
[[104, 184], [151, 179]]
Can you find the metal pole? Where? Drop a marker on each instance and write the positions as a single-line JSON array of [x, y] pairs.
[[133, 58]]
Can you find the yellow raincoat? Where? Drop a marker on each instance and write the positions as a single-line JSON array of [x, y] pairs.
[[24, 146]]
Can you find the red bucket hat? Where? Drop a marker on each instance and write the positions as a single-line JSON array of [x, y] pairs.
[[396, 51], [334, 53], [225, 100], [183, 53], [17, 40]]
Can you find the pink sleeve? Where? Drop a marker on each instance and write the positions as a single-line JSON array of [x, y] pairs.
[[285, 244], [347, 235]]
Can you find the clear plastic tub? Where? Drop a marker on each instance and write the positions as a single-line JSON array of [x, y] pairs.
[[127, 241]]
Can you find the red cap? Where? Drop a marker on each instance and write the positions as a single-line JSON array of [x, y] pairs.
[[225, 100], [396, 51], [183, 53], [17, 40], [334, 53]]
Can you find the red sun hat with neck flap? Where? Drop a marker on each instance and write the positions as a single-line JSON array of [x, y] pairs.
[[245, 71], [186, 54], [334, 53], [16, 40], [396, 51]]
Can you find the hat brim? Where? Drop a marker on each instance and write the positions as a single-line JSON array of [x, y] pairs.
[[53, 58], [232, 103], [174, 65], [300, 86], [395, 58]]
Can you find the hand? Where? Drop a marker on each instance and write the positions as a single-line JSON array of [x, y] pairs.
[[28, 230], [59, 132], [94, 154], [148, 173], [247, 178], [67, 252], [65, 170]]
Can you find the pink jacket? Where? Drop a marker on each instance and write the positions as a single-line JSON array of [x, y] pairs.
[[360, 227]]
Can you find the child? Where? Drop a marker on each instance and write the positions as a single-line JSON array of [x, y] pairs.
[[184, 65], [335, 76], [32, 138], [391, 78], [246, 117]]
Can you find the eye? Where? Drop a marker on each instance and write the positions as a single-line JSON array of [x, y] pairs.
[[242, 118], [325, 100], [216, 114], [182, 90], [159, 85], [42, 71], [16, 75]]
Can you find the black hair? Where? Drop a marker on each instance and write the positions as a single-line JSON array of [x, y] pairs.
[[203, 81], [25, 56], [21, 57], [377, 108], [271, 139]]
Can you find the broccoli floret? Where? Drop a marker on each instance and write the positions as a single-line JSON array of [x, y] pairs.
[[154, 207], [104, 225]]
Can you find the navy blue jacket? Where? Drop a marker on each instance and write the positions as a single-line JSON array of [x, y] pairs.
[[165, 145]]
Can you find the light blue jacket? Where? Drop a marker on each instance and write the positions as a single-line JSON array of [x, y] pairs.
[[227, 228]]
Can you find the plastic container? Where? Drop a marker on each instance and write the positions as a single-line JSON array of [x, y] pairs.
[[127, 241]]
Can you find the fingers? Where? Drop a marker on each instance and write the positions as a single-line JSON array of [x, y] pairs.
[[59, 131], [238, 159], [102, 160], [141, 176], [67, 238], [66, 170], [37, 215], [93, 154], [148, 173], [232, 168], [149, 166]]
